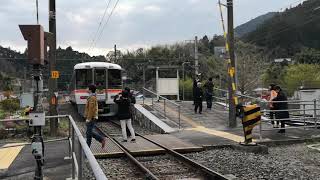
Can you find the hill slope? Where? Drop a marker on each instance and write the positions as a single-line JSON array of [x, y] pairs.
[[253, 24], [288, 32]]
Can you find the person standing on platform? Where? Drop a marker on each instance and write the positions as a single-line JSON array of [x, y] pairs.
[[208, 86], [124, 115], [198, 98], [91, 115], [195, 82], [283, 106], [132, 110], [272, 95]]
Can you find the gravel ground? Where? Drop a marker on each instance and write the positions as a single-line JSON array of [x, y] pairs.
[[282, 162], [120, 168], [166, 167]]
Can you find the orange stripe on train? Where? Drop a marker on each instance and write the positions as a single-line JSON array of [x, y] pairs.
[[81, 91], [107, 91], [114, 90]]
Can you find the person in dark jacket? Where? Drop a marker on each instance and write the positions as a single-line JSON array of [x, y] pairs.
[[124, 115], [133, 101], [281, 96], [198, 98], [208, 86], [195, 82], [131, 96]]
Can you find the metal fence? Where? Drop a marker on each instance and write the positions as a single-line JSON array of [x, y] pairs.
[[302, 114], [168, 108], [78, 150]]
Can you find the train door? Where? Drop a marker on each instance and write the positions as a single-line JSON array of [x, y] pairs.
[[114, 83], [100, 82]]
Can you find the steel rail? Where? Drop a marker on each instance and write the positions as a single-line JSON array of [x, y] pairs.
[[149, 174], [209, 173]]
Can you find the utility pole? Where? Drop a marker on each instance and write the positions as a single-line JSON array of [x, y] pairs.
[[52, 63], [115, 53], [37, 7], [24, 80], [231, 67], [196, 63]]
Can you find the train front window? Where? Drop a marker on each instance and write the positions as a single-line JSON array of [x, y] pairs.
[[100, 78], [83, 78], [114, 79]]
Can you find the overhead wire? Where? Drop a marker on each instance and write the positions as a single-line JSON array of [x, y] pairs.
[[99, 26], [106, 23]]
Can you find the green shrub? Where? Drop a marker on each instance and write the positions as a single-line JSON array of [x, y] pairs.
[[10, 105]]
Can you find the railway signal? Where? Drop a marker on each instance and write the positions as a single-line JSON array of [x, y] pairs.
[[35, 36]]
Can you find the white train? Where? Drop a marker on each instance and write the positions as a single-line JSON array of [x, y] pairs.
[[108, 79]]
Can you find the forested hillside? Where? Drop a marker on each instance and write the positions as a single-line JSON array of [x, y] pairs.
[[288, 32], [253, 24]]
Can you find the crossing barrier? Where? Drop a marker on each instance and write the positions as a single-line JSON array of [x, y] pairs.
[[251, 116]]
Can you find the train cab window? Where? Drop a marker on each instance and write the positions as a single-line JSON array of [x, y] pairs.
[[114, 79], [100, 78], [83, 78]]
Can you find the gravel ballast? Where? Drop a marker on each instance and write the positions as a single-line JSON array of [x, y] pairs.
[[282, 162]]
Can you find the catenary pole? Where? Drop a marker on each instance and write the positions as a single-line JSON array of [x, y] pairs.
[[196, 57], [231, 67], [52, 63]]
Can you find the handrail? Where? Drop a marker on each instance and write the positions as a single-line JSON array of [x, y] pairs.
[[164, 104], [97, 171], [162, 97], [261, 101], [223, 90]]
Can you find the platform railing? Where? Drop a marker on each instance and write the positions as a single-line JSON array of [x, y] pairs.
[[155, 99], [79, 151], [306, 113]]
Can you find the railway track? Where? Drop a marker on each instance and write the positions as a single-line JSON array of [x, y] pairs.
[[171, 165]]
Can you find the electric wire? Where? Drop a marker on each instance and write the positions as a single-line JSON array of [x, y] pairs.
[[105, 24], [99, 26]]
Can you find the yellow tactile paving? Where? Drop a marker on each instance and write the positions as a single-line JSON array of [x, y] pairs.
[[8, 155], [222, 134]]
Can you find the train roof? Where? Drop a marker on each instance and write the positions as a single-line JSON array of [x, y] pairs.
[[88, 65]]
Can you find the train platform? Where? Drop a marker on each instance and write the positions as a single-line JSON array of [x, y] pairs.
[[211, 128], [18, 162]]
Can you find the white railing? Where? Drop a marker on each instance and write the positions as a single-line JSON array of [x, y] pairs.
[[78, 150], [307, 113], [157, 98]]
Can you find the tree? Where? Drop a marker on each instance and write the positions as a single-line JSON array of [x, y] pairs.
[[250, 64], [301, 75], [308, 56]]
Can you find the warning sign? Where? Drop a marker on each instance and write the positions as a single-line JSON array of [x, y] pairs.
[[55, 74]]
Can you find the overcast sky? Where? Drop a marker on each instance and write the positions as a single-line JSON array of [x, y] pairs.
[[134, 23]]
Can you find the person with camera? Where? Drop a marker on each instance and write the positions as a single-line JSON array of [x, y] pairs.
[[124, 115], [91, 115]]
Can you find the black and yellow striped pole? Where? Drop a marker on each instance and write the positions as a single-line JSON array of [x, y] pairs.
[[251, 116], [233, 99]]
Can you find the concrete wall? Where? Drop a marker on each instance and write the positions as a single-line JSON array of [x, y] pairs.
[[149, 121]]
